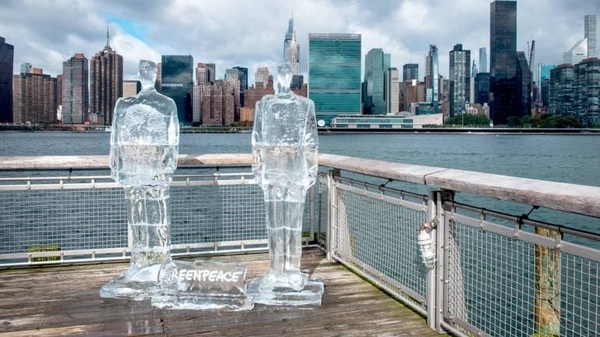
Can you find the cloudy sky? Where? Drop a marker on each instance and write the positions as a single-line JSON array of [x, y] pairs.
[[250, 33]]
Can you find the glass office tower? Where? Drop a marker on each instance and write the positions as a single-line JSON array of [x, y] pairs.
[[376, 64], [6, 81], [589, 32], [177, 82], [410, 71], [432, 84], [483, 68], [334, 67], [503, 62], [243, 78]]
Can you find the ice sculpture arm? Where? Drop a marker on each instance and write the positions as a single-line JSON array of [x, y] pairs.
[[173, 136], [114, 139], [311, 144], [257, 140]]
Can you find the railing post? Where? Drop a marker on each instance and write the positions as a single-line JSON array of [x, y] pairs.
[[450, 286], [331, 212], [431, 288], [547, 286]]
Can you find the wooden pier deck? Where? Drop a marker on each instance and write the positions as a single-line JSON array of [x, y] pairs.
[[60, 301]]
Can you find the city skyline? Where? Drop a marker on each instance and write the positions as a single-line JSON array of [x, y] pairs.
[[405, 29]]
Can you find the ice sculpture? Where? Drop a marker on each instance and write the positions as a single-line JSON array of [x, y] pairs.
[[144, 145], [202, 285], [285, 150]]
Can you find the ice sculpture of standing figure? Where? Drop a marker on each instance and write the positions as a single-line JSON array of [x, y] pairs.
[[285, 150], [144, 145]]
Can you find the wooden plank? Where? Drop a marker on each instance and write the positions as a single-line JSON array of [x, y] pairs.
[[379, 168], [560, 196], [53, 301]]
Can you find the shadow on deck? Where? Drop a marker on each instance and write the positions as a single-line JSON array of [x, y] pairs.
[[53, 301]]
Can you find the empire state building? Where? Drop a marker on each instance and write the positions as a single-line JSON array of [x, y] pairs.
[[106, 82]]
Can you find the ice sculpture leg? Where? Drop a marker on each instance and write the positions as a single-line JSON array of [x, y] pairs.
[[285, 284], [149, 222]]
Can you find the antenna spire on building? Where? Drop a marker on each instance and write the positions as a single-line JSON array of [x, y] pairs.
[[107, 47]]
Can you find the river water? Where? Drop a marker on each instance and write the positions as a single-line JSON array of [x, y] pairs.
[[562, 158]]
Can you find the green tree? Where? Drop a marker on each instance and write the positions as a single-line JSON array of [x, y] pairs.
[[513, 121], [468, 120]]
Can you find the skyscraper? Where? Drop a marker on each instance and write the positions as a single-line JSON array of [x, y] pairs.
[[503, 61], [410, 71], [432, 84], [590, 34], [177, 81], [220, 102], [35, 97], [392, 90], [287, 41], [587, 89], [293, 55], [562, 90], [202, 74], [212, 75], [261, 77], [106, 76], [483, 68], [6, 81], [524, 77], [460, 78], [243, 78], [334, 67], [75, 90], [482, 88], [545, 82], [377, 64]]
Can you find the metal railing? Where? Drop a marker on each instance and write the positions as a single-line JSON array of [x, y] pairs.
[[511, 258], [497, 273]]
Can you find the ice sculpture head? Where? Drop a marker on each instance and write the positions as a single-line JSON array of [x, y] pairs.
[[147, 73], [284, 78]]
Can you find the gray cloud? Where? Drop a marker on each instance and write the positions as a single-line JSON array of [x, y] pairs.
[[250, 33]]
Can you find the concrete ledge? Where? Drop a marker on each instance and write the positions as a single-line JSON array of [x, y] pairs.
[[101, 162], [560, 196]]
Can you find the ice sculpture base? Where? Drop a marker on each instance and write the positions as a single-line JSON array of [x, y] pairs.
[[123, 288], [282, 294], [198, 302], [202, 285]]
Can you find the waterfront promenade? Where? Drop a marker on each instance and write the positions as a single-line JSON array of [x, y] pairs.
[[60, 301]]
